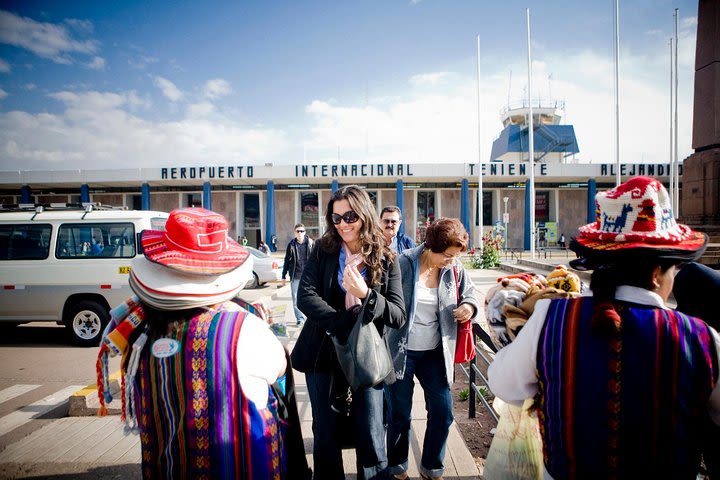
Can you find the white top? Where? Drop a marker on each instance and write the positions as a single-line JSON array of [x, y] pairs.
[[260, 357], [425, 330], [512, 377]]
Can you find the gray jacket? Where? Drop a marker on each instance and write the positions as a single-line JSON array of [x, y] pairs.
[[397, 339]]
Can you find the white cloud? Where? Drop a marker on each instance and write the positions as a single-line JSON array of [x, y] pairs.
[[4, 66], [202, 109], [97, 63], [428, 78], [85, 26], [47, 40], [217, 88], [168, 88], [29, 87], [3, 94], [100, 130]]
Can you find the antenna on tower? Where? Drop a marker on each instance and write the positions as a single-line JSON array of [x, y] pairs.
[[509, 87]]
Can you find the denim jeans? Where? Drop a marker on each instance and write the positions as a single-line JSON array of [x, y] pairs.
[[367, 406], [429, 367], [327, 456], [372, 461], [294, 284]]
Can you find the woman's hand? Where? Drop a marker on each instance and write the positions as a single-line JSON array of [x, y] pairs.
[[354, 282], [463, 313]]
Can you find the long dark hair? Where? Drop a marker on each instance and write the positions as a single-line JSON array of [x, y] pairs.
[[373, 246], [607, 277]]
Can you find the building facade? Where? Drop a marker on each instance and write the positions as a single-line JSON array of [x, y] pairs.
[[265, 200]]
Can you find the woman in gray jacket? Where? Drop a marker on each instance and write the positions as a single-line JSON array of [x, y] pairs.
[[438, 294]]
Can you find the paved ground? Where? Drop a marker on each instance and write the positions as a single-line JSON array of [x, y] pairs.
[[94, 447]]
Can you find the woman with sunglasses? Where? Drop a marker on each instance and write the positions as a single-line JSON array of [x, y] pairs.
[[438, 294], [350, 270]]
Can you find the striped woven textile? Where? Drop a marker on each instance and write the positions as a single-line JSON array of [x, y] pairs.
[[628, 405], [194, 420]]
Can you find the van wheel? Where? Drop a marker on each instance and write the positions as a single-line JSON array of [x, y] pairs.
[[86, 321]]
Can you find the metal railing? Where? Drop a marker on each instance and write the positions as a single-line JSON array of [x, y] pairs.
[[472, 372]]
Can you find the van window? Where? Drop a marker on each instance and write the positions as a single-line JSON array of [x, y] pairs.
[[25, 242], [83, 240]]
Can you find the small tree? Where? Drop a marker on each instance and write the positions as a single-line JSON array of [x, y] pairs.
[[490, 256]]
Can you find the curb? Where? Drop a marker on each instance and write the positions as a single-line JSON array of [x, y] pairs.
[[85, 403]]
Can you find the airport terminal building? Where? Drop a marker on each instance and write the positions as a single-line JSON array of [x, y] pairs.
[[265, 200]]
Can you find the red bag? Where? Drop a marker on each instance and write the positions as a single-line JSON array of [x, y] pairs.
[[465, 346]]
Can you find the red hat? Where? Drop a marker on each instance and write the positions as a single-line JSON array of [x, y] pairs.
[[637, 216], [195, 241]]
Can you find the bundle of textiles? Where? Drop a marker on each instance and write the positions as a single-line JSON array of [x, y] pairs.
[[509, 304]]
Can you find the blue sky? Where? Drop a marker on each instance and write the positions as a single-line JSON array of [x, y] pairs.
[[156, 83]]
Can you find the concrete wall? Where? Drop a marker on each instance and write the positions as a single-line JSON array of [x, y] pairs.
[[573, 212], [224, 203], [114, 199], [164, 202], [285, 215], [450, 203]]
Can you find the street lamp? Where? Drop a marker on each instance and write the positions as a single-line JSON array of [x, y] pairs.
[[506, 219]]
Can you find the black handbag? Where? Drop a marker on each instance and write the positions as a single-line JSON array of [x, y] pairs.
[[364, 358]]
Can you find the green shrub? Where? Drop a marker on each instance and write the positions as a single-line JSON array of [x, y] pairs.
[[490, 256], [464, 394]]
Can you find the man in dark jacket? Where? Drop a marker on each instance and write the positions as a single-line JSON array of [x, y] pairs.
[[391, 219], [296, 255]]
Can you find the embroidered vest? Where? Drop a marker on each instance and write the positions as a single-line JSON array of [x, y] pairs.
[[194, 420], [625, 406]]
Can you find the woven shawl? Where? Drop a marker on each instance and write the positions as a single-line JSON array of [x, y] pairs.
[[626, 406], [194, 420]]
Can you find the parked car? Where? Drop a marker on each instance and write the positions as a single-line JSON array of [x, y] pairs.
[[68, 264], [265, 268]]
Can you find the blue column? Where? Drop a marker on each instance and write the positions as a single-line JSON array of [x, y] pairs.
[[334, 186], [399, 202], [207, 196], [464, 206], [84, 193], [526, 241], [591, 192], [25, 194], [145, 196], [270, 215]]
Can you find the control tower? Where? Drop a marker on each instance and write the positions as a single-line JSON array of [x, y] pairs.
[[553, 142]]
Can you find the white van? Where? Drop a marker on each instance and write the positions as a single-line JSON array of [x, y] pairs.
[[68, 263]]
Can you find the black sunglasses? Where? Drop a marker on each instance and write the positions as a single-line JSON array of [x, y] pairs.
[[299, 231], [350, 217]]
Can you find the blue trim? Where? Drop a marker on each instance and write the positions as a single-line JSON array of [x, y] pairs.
[[464, 206], [84, 193], [334, 186], [145, 196], [399, 203], [526, 240], [26, 194], [591, 192], [270, 214], [547, 138], [207, 196]]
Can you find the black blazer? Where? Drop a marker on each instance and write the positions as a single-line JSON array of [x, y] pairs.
[[322, 301]]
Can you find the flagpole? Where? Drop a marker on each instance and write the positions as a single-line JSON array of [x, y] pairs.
[[617, 94], [480, 178], [672, 160], [676, 198], [531, 146]]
